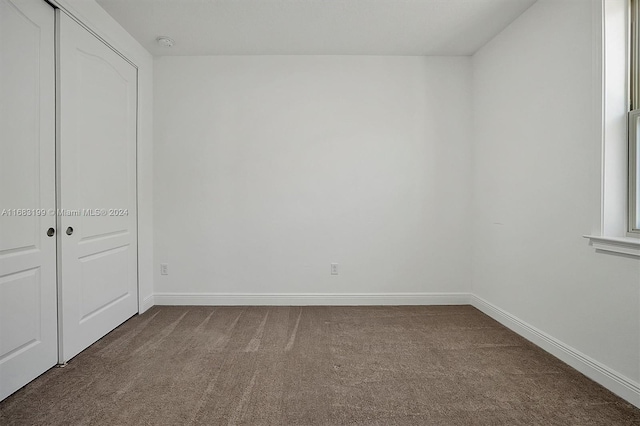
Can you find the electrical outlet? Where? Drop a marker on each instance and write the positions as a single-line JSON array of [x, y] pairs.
[[164, 269], [334, 269]]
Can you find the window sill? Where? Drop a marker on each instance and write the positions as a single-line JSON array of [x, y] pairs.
[[625, 245]]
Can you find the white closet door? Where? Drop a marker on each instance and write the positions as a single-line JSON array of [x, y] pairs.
[[96, 187], [28, 318]]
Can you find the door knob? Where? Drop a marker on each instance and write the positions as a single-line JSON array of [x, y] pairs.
[[50, 232], [69, 230]]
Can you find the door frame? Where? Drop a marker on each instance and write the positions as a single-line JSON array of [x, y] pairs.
[[61, 9]]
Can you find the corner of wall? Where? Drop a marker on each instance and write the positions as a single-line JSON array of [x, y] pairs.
[[622, 386]]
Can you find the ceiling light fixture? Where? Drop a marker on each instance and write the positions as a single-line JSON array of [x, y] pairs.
[[165, 41]]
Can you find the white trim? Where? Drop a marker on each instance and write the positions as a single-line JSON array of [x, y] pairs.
[[611, 50], [610, 379], [598, 64], [147, 303], [624, 245], [314, 299], [634, 171]]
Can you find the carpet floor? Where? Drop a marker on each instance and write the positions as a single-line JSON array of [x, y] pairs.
[[409, 365]]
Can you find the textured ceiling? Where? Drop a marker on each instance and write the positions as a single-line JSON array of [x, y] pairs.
[[315, 27]]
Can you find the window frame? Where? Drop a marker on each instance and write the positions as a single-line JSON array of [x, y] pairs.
[[634, 174], [633, 214], [612, 108]]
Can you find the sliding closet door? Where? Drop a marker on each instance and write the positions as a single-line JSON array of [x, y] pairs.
[[28, 334], [96, 188]]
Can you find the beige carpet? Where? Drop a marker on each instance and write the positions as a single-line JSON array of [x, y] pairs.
[[448, 365]]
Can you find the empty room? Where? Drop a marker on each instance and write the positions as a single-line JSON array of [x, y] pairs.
[[320, 212]]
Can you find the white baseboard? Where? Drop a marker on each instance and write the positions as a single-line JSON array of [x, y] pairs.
[[307, 299], [146, 303], [610, 379]]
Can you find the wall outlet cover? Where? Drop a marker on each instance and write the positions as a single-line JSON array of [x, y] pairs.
[[334, 269]]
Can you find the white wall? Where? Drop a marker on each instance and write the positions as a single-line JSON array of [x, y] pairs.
[[537, 189], [267, 169], [100, 22]]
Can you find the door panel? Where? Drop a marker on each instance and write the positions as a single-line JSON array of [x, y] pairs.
[[28, 316], [97, 187]]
